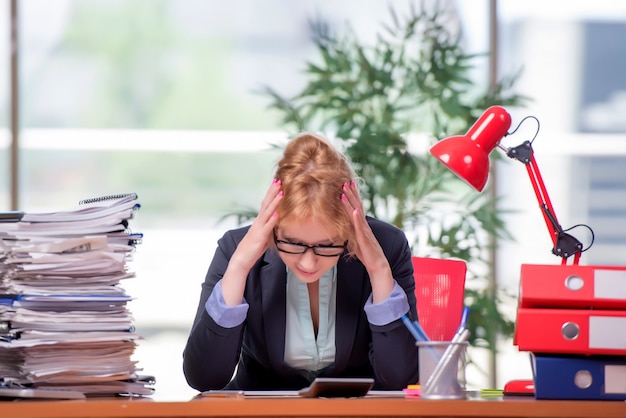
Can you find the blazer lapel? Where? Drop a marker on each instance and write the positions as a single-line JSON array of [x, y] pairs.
[[351, 280], [274, 295]]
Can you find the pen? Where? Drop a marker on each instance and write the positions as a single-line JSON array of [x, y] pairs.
[[420, 331], [464, 316], [415, 329], [420, 336], [409, 325]]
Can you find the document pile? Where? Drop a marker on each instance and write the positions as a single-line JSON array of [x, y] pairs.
[[572, 319], [64, 320]]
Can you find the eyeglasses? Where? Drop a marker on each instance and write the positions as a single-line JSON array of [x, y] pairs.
[[321, 250]]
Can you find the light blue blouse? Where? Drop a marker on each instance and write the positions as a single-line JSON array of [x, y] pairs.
[[302, 349]]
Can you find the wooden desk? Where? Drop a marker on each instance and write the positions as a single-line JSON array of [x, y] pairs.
[[372, 407]]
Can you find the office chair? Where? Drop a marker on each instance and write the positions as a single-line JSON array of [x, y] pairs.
[[439, 290]]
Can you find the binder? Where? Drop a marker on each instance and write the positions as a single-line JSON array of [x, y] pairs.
[[590, 378], [571, 331], [572, 286]]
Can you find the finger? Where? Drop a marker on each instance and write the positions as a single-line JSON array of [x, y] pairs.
[[369, 249], [271, 193], [355, 215], [352, 195], [259, 237], [358, 226], [347, 205], [271, 200], [269, 214]]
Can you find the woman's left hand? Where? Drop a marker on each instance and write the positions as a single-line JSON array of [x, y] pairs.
[[369, 250]]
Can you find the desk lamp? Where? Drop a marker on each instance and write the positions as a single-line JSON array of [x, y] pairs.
[[467, 156]]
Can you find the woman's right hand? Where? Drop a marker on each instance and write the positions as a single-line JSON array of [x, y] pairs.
[[260, 234], [252, 246]]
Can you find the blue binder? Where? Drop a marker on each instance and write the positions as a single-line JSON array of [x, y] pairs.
[[579, 377]]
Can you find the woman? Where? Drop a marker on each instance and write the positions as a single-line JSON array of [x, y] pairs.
[[312, 288]]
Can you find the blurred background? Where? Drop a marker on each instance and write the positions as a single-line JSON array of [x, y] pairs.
[[163, 98]]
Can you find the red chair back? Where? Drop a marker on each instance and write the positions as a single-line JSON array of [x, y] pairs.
[[439, 290]]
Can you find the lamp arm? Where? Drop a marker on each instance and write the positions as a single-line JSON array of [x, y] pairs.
[[564, 244]]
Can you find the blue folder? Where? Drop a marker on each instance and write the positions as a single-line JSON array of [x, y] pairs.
[[579, 377]]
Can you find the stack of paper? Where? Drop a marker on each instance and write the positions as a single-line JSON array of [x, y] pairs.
[[64, 321]]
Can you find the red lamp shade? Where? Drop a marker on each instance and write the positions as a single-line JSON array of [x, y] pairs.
[[467, 155]]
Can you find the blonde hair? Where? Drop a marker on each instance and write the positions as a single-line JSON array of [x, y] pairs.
[[312, 172]]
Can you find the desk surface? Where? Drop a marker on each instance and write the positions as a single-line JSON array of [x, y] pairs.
[[368, 407]]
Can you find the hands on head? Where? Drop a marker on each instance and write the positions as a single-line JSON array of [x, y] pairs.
[[304, 191], [368, 249]]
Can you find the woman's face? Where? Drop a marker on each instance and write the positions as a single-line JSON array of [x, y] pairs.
[[308, 267]]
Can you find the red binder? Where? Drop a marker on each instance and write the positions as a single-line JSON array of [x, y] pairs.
[[571, 331], [572, 286]]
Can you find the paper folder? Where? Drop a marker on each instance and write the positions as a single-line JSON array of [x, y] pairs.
[[571, 331], [591, 378], [572, 286]]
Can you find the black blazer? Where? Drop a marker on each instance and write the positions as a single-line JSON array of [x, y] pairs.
[[255, 349]]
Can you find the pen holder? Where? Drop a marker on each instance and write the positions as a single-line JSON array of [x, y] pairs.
[[442, 369]]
